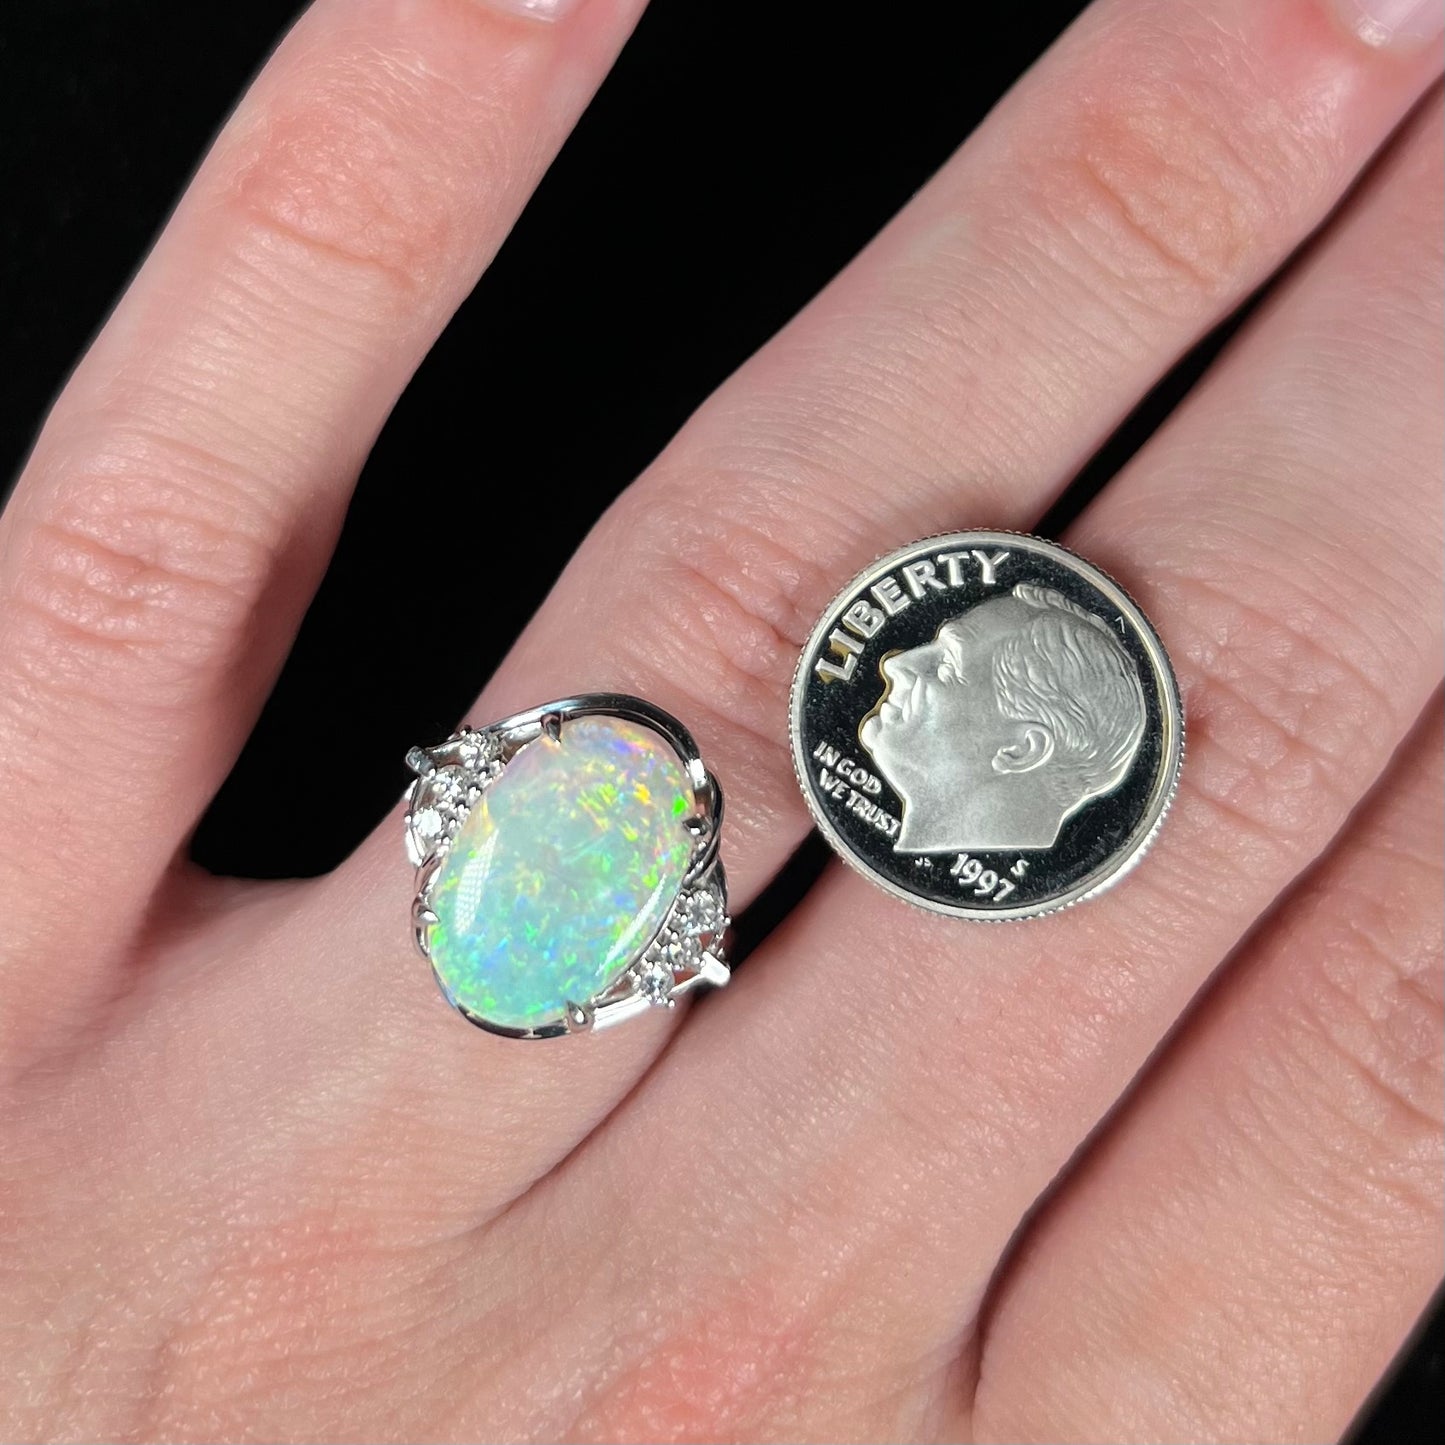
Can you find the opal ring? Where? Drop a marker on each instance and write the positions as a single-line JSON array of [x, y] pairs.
[[567, 871]]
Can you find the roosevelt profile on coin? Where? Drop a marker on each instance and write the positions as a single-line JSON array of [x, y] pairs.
[[1017, 714]]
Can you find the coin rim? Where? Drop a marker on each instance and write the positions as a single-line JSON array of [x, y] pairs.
[[1161, 795]]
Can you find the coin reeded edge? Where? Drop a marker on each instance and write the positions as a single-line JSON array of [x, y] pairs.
[[1161, 794]]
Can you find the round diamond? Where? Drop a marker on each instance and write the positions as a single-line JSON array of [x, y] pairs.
[[479, 748], [449, 787], [654, 982], [701, 912], [683, 952], [427, 824]]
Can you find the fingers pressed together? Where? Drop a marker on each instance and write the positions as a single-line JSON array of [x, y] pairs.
[[787, 1220]]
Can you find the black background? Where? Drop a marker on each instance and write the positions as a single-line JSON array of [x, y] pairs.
[[739, 154]]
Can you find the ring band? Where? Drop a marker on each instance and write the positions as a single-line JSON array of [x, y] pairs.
[[567, 870]]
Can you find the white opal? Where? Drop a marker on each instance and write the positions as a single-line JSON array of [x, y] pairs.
[[562, 872]]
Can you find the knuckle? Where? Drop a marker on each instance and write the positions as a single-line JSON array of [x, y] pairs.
[[1165, 188], [737, 597], [1376, 1000], [145, 553], [1281, 707], [347, 181]]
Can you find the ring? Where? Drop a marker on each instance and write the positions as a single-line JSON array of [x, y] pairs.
[[567, 870]]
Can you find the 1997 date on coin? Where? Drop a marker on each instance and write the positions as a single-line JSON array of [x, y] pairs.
[[986, 725]]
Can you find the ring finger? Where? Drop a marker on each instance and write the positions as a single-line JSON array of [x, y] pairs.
[[183, 497]]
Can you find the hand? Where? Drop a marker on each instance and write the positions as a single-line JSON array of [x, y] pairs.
[[791, 1216]]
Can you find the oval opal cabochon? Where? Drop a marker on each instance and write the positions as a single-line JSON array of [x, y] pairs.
[[562, 872]]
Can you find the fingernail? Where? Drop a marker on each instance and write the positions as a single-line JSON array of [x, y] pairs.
[[542, 9], [1395, 22]]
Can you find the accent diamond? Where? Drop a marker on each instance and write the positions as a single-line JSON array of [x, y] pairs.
[[701, 912], [683, 952], [654, 982], [477, 749]]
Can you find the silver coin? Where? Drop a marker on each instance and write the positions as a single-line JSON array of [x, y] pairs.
[[986, 725]]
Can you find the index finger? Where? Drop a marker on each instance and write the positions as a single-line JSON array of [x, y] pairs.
[[184, 495]]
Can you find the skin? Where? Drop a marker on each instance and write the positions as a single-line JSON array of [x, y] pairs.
[[868, 1220]]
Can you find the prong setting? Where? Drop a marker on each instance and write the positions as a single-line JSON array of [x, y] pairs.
[[578, 1017]]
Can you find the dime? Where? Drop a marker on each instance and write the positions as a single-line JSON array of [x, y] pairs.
[[986, 725]]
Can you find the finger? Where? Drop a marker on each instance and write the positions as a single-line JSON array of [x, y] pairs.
[[1149, 173], [187, 488], [899, 1088], [1241, 1255]]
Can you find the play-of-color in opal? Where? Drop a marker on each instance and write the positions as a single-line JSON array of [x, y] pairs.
[[562, 872]]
